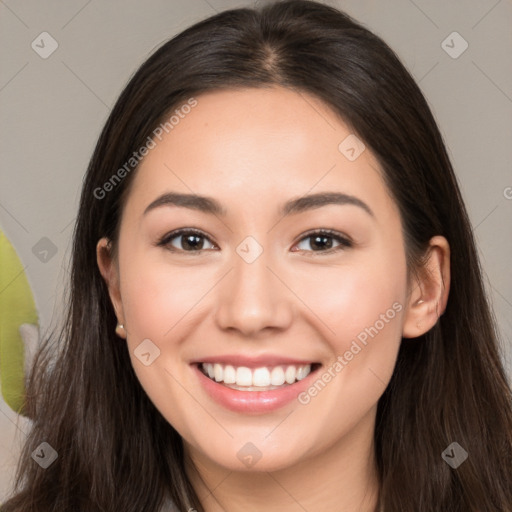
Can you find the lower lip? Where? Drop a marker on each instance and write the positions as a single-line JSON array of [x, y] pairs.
[[255, 402]]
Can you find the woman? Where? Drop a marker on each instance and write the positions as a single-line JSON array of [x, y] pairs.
[[328, 346]]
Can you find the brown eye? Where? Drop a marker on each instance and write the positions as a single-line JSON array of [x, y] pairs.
[[324, 241], [186, 240]]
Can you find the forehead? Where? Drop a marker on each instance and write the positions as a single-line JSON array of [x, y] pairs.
[[256, 146]]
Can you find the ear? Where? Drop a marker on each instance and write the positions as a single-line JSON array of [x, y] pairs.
[[110, 273], [428, 294]]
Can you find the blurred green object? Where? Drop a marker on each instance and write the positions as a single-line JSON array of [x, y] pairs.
[[17, 307]]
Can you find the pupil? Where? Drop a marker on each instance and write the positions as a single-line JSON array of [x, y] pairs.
[[193, 245], [323, 243]]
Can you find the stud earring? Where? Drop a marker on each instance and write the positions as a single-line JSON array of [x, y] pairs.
[[120, 330]]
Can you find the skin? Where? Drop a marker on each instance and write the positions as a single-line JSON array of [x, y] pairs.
[[252, 150]]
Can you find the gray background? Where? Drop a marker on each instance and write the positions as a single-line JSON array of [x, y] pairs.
[[52, 111]]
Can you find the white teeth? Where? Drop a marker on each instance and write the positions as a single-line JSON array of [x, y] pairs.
[[218, 372], [258, 378], [277, 376], [243, 376], [229, 375], [261, 377], [301, 373], [290, 374]]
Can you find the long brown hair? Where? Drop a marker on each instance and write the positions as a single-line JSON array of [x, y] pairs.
[[116, 451]]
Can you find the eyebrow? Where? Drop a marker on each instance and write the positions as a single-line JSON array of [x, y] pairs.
[[211, 206]]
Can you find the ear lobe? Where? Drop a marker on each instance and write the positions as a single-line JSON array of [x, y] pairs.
[[429, 297], [110, 274]]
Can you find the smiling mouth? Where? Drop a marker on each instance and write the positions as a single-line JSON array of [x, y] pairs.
[[264, 378]]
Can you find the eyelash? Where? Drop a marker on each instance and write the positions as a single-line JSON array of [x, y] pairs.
[[344, 242]]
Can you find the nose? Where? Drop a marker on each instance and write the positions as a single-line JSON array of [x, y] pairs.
[[253, 298]]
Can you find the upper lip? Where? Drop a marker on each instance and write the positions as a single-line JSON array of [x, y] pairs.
[[254, 361]]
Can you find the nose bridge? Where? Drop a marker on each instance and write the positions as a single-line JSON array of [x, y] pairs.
[[252, 298]]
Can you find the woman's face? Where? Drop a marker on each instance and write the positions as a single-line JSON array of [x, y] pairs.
[[256, 292]]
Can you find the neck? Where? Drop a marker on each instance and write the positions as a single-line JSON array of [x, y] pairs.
[[342, 477]]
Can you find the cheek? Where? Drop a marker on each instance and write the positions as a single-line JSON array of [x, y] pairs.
[[158, 296], [349, 299], [362, 305], [158, 300]]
